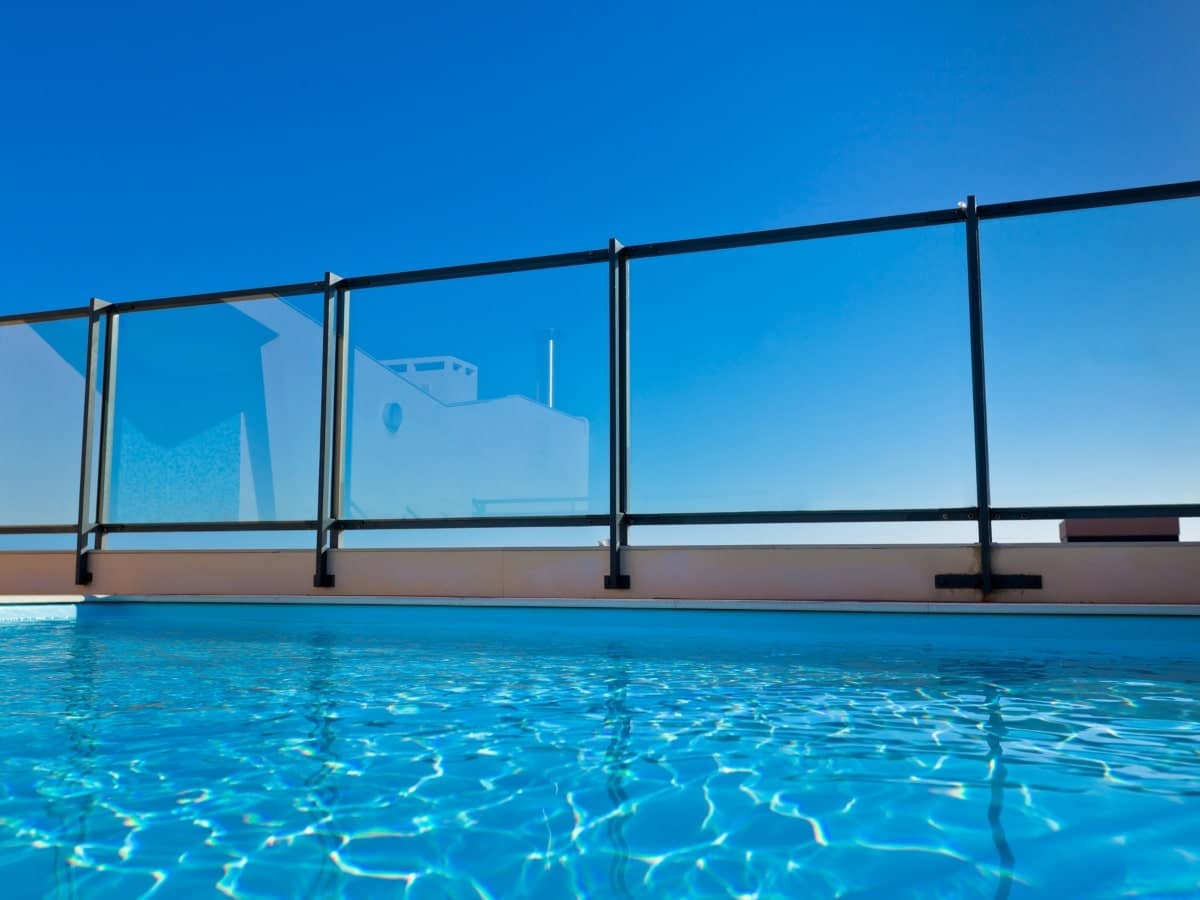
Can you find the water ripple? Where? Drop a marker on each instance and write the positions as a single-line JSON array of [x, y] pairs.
[[328, 761]]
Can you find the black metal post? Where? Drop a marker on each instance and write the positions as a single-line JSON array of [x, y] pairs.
[[623, 394], [108, 401], [341, 416], [618, 424], [85, 524], [983, 491], [323, 576]]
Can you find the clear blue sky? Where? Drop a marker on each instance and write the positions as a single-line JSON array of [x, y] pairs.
[[154, 149], [157, 148]]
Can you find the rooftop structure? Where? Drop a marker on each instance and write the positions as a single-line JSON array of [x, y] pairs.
[[445, 378]]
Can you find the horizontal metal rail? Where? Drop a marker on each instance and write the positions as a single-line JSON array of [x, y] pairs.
[[797, 233], [1035, 513], [475, 270], [756, 517], [800, 516], [550, 521], [572, 521], [414, 276], [1178, 191], [50, 315], [39, 529], [264, 293], [848, 227]]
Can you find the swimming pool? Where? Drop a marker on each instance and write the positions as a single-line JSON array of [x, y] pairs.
[[478, 752]]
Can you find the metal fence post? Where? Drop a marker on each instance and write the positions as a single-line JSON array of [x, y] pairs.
[[983, 490], [623, 396], [341, 415], [85, 524], [618, 425], [108, 400], [333, 403]]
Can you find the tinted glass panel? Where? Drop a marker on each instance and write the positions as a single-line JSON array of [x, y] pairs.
[[807, 533], [1092, 322], [817, 375], [218, 413], [480, 397], [41, 407]]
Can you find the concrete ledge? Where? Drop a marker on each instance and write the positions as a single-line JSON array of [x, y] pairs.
[[1135, 573], [798, 606], [41, 608], [37, 572]]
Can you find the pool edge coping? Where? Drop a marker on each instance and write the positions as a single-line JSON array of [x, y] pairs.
[[849, 606]]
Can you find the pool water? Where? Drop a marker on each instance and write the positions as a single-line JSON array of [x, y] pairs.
[[267, 751]]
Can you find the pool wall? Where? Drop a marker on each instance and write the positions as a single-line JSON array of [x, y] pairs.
[[1123, 573]]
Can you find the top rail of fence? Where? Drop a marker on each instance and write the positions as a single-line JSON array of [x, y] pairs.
[[1152, 193], [262, 293], [1178, 191], [475, 270], [49, 315], [797, 233]]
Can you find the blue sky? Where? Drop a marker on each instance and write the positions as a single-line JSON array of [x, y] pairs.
[[156, 149]]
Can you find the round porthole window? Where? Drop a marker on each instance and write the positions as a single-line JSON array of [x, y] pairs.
[[393, 417]]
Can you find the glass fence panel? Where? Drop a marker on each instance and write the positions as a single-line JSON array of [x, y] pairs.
[[41, 407], [217, 413], [211, 540], [823, 374], [1092, 324], [836, 533], [37, 542], [480, 397], [1047, 531], [449, 538]]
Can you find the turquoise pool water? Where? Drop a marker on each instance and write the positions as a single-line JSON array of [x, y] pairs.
[[267, 751]]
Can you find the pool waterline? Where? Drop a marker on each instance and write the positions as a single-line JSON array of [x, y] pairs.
[[904, 607]]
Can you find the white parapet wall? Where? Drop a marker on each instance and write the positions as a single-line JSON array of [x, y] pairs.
[[1085, 573]]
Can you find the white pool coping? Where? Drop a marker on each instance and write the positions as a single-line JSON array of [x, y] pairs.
[[14, 608], [35, 610]]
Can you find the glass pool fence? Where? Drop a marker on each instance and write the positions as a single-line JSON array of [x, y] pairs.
[[826, 375]]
